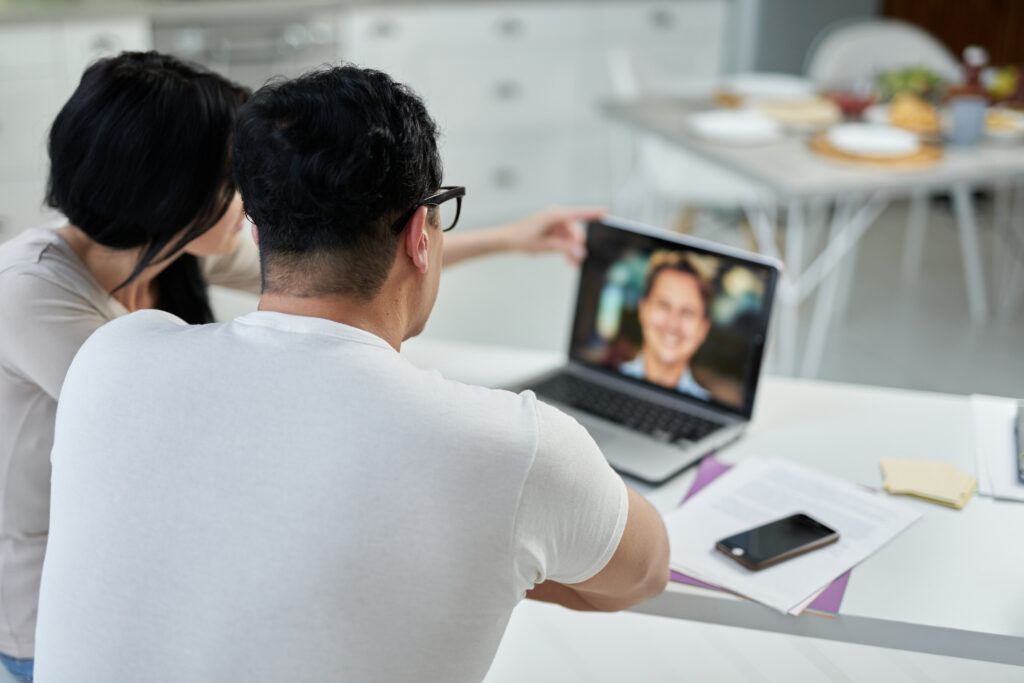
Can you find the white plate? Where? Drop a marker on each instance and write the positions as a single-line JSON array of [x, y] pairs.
[[871, 139], [735, 126], [769, 86]]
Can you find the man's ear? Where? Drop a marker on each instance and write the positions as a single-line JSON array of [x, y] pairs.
[[417, 239], [255, 233]]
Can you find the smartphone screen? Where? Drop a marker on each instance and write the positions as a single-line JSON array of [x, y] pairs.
[[777, 541]]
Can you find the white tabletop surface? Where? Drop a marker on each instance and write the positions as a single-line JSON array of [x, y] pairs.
[[952, 584], [791, 170]]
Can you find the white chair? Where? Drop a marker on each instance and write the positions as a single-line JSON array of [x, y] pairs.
[[851, 54], [663, 178]]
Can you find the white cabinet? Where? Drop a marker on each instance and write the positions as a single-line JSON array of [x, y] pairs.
[[515, 87], [500, 79], [40, 66]]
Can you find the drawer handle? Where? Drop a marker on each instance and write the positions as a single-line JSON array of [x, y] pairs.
[[510, 26], [506, 177], [508, 90], [663, 19], [384, 29], [104, 42]]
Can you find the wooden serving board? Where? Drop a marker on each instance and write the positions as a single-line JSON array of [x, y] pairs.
[[926, 156]]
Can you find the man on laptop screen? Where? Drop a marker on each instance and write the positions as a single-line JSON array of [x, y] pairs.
[[674, 321]]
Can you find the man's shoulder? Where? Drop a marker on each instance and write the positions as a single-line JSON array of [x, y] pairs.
[[137, 324], [460, 396], [129, 336]]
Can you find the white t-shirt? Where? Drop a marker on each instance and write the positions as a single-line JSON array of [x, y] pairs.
[[287, 498]]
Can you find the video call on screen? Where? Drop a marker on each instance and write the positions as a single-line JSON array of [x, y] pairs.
[[675, 317]]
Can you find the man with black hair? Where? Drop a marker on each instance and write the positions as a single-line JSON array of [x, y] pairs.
[[321, 509]]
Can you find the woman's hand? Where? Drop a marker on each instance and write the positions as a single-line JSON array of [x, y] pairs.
[[553, 229]]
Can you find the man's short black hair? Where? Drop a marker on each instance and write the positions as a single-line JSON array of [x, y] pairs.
[[325, 163]]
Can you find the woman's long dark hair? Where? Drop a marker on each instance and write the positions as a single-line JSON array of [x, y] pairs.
[[140, 156]]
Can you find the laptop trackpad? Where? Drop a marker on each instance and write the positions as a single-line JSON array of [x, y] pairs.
[[637, 455]]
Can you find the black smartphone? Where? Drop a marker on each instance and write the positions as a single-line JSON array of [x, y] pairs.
[[777, 541]]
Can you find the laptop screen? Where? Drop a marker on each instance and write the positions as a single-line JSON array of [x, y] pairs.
[[676, 313]]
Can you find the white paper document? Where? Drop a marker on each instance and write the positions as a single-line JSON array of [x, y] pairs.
[[993, 420], [759, 490]]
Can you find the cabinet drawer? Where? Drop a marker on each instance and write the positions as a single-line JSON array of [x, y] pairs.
[[495, 26], [659, 22], [499, 92], [509, 175]]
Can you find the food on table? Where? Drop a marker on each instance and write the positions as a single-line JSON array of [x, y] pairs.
[[851, 103], [1004, 82], [1002, 120], [728, 100], [1004, 123], [909, 111], [919, 81]]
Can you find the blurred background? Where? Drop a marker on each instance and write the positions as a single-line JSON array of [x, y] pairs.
[[518, 88]]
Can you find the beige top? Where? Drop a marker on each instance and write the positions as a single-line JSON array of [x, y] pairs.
[[49, 305]]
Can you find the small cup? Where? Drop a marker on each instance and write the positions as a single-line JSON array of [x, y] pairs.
[[968, 114]]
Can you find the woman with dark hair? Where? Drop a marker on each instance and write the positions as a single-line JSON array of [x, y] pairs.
[[141, 168]]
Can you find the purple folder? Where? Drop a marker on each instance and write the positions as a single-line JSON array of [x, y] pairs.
[[827, 603]]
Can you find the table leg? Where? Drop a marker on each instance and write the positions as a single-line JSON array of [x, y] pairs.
[[849, 225], [1002, 250], [1014, 282], [824, 308], [844, 278], [913, 244], [763, 220], [968, 229], [789, 312]]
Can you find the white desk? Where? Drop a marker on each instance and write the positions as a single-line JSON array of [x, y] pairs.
[[951, 584], [797, 179]]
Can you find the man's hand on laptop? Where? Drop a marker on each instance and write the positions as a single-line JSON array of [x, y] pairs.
[[637, 571]]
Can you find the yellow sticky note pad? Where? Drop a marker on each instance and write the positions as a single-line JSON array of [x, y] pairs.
[[939, 482]]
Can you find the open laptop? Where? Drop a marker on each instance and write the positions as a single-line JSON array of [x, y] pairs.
[[666, 347]]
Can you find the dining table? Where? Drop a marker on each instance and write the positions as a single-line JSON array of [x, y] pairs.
[[799, 182]]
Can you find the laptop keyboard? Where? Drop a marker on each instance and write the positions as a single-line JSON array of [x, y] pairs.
[[654, 419]]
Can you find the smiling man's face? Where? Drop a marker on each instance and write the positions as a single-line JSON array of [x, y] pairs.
[[672, 319]]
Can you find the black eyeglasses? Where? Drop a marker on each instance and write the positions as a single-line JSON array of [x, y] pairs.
[[448, 213]]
